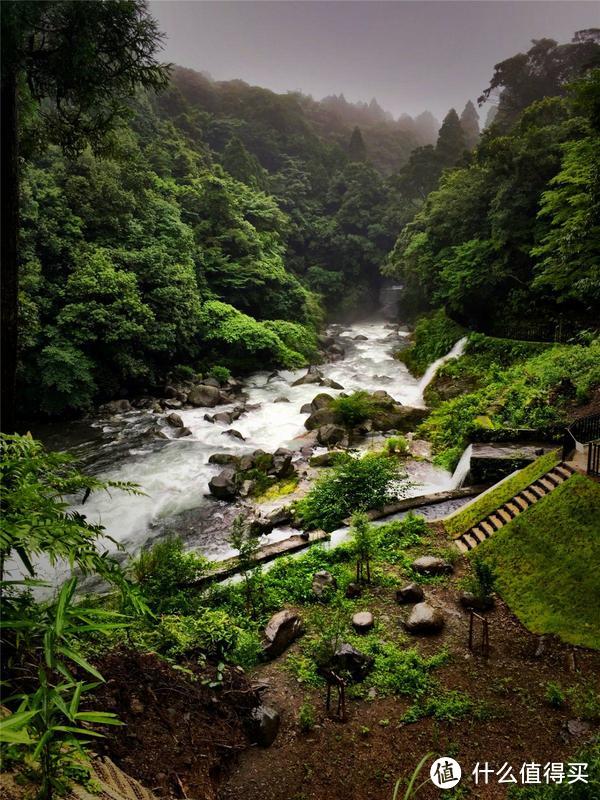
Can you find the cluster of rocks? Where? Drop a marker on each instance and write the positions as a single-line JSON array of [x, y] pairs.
[[387, 415], [203, 393], [330, 348], [315, 376], [241, 473], [424, 618]]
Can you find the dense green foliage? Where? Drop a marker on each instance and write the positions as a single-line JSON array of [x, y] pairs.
[[433, 337], [513, 233], [545, 564], [353, 484], [507, 389]]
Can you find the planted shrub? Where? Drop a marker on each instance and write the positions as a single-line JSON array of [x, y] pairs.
[[219, 373], [307, 717]]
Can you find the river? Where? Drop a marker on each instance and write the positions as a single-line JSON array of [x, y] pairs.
[[174, 473]]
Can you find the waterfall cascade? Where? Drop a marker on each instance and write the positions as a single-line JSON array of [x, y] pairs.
[[455, 352]]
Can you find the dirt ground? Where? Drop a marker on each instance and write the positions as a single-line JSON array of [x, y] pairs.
[[184, 740], [362, 758]]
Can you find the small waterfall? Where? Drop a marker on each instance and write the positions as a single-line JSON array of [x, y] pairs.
[[456, 351], [462, 468]]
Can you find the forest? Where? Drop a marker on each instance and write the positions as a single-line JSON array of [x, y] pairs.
[[181, 255]]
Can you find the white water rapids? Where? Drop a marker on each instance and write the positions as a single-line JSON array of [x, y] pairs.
[[174, 473]]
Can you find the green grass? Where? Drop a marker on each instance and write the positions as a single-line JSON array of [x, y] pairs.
[[465, 518], [546, 563]]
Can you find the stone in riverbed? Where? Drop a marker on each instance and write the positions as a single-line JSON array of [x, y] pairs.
[[175, 420], [331, 384], [234, 434], [223, 459], [313, 375], [180, 432], [321, 400], [411, 593], [282, 629], [323, 416], [306, 409], [361, 338], [225, 417], [363, 621], [222, 486], [431, 565], [330, 434], [281, 399], [115, 407], [204, 395], [424, 618]]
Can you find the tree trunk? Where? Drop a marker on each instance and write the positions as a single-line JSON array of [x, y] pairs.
[[9, 280]]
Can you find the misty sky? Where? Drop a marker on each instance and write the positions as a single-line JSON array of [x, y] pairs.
[[409, 55]]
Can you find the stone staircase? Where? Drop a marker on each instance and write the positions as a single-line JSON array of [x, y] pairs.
[[515, 506]]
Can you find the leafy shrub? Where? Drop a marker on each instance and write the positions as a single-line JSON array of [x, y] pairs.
[[182, 372], [219, 373], [161, 571], [398, 445], [555, 695], [354, 409], [307, 717], [394, 538], [481, 582], [209, 634], [353, 484], [401, 671]]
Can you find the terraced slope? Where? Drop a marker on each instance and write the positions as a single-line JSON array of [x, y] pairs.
[[516, 505]]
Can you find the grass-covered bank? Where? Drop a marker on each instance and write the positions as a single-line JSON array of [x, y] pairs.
[[546, 563], [479, 509]]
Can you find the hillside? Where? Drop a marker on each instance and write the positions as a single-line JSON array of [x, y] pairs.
[[546, 563]]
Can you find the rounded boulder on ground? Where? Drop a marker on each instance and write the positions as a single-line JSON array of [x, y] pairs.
[[431, 565], [424, 618]]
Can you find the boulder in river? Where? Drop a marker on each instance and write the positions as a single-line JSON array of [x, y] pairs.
[[310, 377], [281, 399], [223, 485], [224, 417], [431, 565], [321, 400], [210, 381], [330, 434], [331, 384], [175, 420], [424, 618], [115, 407], [323, 459], [324, 416], [282, 629], [223, 459], [234, 434], [181, 432], [204, 395]]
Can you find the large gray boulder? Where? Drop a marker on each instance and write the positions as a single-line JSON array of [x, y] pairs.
[[323, 416], [330, 434], [223, 459], [431, 565], [363, 621], [313, 375], [175, 420], [282, 629], [204, 395], [321, 400], [223, 485], [424, 618]]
